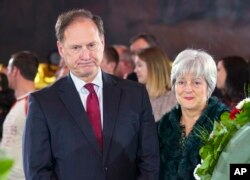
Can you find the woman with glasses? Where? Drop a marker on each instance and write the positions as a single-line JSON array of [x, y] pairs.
[[193, 79]]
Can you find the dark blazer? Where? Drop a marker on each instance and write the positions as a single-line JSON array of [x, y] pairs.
[[59, 142]]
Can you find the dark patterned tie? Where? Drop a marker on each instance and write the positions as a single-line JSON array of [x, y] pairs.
[[93, 111]]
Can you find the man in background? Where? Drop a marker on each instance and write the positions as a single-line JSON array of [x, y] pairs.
[[126, 64], [136, 44], [62, 71], [142, 41], [110, 60], [21, 72]]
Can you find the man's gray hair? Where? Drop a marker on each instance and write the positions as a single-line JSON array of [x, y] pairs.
[[66, 18]]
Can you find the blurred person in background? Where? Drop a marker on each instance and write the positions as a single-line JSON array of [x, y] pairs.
[[233, 77], [142, 41], [152, 67], [7, 99], [21, 73], [137, 43], [110, 60], [126, 64], [62, 71]]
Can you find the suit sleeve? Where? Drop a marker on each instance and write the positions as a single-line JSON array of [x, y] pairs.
[[37, 155], [148, 152]]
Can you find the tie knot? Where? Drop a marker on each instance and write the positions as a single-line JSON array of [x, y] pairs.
[[90, 87]]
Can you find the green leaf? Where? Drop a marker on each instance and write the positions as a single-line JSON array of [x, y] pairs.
[[215, 142], [6, 164]]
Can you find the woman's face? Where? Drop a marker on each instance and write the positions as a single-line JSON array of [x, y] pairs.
[[141, 70], [191, 92], [221, 75]]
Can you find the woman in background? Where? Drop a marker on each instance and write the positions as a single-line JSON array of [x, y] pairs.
[[233, 76], [193, 79], [152, 67]]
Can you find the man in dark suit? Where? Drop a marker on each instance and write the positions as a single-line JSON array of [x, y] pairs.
[[74, 133]]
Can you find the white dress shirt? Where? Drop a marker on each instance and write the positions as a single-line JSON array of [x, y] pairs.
[[83, 92]]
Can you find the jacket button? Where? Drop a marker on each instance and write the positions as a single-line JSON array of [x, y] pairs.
[[105, 169]]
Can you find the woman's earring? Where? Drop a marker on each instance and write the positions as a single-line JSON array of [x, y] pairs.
[[177, 106]]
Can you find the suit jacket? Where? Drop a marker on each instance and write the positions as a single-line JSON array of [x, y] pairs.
[[59, 142]]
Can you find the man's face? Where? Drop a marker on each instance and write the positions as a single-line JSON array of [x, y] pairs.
[[82, 49], [137, 46]]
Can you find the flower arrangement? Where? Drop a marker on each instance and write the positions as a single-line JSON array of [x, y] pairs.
[[215, 142]]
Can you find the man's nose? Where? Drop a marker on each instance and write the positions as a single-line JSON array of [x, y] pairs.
[[85, 53]]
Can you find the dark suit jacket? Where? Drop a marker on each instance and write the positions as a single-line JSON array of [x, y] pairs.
[[59, 142]]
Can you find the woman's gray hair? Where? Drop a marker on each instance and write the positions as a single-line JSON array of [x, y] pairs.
[[198, 62]]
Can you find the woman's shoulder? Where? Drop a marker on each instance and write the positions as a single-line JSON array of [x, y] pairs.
[[216, 106]]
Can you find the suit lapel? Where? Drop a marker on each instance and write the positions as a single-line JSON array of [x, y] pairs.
[[71, 100], [111, 99]]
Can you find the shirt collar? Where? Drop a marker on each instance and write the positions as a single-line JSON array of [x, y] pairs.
[[80, 83], [23, 96]]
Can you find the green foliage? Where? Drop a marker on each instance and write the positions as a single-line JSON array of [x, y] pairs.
[[5, 165], [215, 142]]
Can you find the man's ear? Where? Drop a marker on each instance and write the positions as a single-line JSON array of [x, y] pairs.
[[60, 48], [112, 64], [15, 71]]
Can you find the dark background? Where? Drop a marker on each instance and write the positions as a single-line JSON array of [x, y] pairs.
[[221, 27]]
